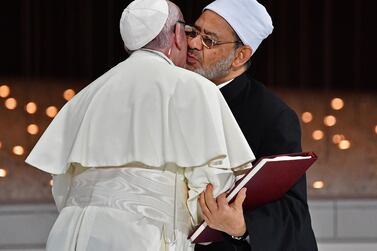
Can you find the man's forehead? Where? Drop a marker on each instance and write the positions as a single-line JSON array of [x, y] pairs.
[[211, 23], [206, 31]]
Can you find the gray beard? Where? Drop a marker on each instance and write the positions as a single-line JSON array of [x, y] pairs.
[[217, 70]]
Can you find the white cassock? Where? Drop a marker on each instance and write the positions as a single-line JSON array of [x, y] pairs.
[[130, 154]]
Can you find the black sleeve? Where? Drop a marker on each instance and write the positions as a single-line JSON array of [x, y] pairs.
[[285, 224]]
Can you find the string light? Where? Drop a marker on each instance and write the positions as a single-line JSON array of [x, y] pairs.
[[344, 144], [31, 107], [337, 103], [18, 150], [32, 129], [11, 103], [51, 111], [318, 184], [306, 117], [329, 120], [317, 135], [3, 173], [68, 94], [4, 91]]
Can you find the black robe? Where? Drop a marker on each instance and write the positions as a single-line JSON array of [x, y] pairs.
[[270, 127]]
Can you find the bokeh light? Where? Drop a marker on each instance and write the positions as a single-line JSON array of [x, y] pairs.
[[318, 135], [4, 91], [3, 173], [318, 184], [375, 129], [32, 129], [344, 144], [306, 117], [11, 103], [51, 182], [18, 150], [68, 94], [31, 108], [329, 120], [337, 103], [336, 138], [51, 111]]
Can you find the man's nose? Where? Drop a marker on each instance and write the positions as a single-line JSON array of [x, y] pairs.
[[195, 43]]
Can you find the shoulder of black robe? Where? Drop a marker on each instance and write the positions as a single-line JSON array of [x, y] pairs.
[[270, 127]]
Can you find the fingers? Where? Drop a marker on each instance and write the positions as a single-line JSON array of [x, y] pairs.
[[209, 200], [239, 199], [222, 202], [205, 218], [205, 210], [226, 218]]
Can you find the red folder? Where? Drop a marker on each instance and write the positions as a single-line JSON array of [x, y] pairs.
[[267, 181]]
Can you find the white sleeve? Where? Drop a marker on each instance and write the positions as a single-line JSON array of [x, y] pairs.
[[197, 180]]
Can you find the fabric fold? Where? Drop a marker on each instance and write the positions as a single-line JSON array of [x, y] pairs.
[[178, 118]]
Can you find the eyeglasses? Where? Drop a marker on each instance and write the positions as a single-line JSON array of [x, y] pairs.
[[207, 41], [181, 22]]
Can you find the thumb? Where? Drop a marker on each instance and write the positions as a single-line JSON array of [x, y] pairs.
[[240, 199]]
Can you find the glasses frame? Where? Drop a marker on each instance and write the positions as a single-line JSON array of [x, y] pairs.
[[213, 42], [181, 22]]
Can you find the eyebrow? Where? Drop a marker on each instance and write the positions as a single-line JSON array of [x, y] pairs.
[[207, 32]]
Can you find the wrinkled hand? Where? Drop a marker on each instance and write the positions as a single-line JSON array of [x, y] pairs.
[[220, 215]]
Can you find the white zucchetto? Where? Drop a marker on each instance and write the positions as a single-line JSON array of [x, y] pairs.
[[248, 18], [142, 21]]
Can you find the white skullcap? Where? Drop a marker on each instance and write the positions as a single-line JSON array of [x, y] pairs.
[[248, 18], [142, 21]]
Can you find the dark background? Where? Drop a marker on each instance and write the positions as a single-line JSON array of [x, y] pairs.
[[325, 44]]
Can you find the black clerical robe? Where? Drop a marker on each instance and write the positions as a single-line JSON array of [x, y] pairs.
[[270, 127]]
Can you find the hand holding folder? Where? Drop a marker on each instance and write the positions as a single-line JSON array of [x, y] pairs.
[[268, 181]]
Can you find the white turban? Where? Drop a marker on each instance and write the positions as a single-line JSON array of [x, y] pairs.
[[142, 21], [248, 18]]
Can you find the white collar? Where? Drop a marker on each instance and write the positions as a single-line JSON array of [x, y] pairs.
[[158, 53], [224, 84]]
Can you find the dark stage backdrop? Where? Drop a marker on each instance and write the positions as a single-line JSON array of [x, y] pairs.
[[327, 44]]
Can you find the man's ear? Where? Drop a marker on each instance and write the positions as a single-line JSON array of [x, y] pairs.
[[179, 37], [243, 55]]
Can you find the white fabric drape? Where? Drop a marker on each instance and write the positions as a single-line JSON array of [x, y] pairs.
[[143, 110], [132, 208], [131, 152]]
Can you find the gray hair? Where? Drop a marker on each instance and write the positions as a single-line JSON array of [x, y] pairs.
[[163, 40], [218, 69]]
